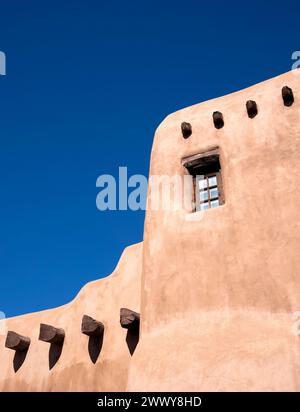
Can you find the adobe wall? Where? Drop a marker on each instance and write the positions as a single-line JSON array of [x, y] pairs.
[[75, 370], [216, 289], [219, 287]]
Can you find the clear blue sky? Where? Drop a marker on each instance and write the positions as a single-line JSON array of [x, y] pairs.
[[87, 84]]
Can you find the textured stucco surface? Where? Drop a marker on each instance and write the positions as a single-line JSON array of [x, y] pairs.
[[216, 289]]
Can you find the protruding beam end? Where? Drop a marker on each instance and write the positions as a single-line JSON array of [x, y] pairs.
[[129, 319], [51, 334], [218, 120], [17, 342], [287, 96], [91, 327], [186, 129], [251, 108]]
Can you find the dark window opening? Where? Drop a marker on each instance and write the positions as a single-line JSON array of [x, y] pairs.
[[207, 179]]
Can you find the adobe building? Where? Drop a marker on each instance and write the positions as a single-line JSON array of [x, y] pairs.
[[212, 290]]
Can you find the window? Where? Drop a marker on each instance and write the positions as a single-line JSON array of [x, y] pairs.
[[206, 171], [207, 191]]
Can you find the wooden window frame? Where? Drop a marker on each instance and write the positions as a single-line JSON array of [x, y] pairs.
[[205, 165]]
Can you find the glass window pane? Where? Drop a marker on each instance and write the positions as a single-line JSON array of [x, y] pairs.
[[213, 193], [203, 195], [212, 181], [204, 206], [214, 203], [202, 183]]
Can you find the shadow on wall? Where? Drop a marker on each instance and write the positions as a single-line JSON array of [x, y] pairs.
[[54, 354], [95, 346], [132, 339], [19, 359]]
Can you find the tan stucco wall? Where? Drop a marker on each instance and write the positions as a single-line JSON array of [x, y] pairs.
[[216, 289], [218, 293], [75, 371]]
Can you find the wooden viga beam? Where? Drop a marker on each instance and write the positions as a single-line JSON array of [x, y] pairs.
[[51, 334], [287, 96], [218, 120], [91, 327], [186, 129], [129, 319], [17, 342], [251, 107]]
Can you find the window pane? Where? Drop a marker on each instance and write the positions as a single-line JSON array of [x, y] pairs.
[[203, 195], [214, 203], [213, 193], [204, 206], [202, 182], [212, 181]]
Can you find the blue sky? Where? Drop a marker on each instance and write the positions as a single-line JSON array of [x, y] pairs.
[[87, 83]]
